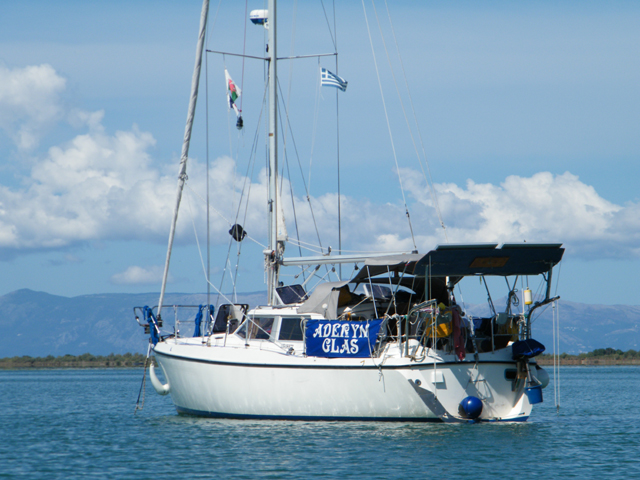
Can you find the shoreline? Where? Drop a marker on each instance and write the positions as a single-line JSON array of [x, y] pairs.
[[138, 361], [589, 362], [598, 357], [84, 361]]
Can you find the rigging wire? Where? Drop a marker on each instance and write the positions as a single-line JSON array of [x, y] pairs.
[[293, 206], [212, 25], [313, 247], [295, 147], [287, 102], [286, 163], [321, 278], [292, 49], [224, 63], [302, 175], [206, 73], [182, 175], [556, 343], [314, 127], [250, 165], [198, 245], [556, 382], [554, 356], [222, 216], [143, 390], [244, 49], [208, 200], [206, 90], [335, 32], [195, 234], [219, 291], [429, 180], [558, 278], [248, 177], [333, 40], [393, 148]]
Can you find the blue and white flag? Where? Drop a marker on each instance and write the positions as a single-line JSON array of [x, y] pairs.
[[328, 79]]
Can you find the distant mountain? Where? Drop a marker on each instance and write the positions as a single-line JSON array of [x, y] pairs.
[[40, 324], [583, 327]]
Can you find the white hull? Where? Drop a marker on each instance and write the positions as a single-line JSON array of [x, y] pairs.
[[261, 383]]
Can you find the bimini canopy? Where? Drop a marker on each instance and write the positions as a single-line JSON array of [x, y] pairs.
[[396, 264], [510, 259]]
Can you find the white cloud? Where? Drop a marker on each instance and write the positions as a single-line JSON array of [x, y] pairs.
[[29, 102], [88, 189], [135, 275], [105, 187], [541, 208], [102, 186]]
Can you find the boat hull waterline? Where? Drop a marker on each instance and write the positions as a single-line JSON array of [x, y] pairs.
[[221, 384]]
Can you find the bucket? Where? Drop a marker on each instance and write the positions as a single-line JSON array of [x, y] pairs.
[[534, 394]]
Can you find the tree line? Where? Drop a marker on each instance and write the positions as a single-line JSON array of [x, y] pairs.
[[86, 360], [599, 356], [129, 360], [606, 353]]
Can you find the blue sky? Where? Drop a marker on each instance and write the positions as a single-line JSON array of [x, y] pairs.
[[529, 115]]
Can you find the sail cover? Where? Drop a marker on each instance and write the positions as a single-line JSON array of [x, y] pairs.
[[324, 299], [283, 236]]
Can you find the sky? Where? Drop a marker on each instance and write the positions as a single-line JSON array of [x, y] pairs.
[[528, 116]]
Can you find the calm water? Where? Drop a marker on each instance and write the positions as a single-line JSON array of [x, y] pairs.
[[80, 424]]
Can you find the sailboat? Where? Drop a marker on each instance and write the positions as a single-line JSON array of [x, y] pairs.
[[388, 344]]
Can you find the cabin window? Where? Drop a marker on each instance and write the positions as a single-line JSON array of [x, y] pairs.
[[291, 329], [259, 328]]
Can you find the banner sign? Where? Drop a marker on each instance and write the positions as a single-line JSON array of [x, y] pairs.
[[338, 338]]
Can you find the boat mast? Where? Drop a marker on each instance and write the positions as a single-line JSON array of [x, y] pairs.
[[274, 253], [182, 176]]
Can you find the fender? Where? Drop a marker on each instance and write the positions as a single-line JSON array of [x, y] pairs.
[[541, 375], [157, 384]]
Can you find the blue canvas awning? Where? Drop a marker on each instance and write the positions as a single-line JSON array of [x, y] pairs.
[[487, 259]]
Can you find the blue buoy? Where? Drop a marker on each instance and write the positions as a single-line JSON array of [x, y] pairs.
[[470, 407]]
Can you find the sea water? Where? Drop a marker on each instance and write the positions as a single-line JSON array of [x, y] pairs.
[[71, 424]]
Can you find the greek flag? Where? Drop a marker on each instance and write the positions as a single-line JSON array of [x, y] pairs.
[[328, 79]]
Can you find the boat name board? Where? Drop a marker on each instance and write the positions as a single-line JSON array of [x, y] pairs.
[[341, 338]]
